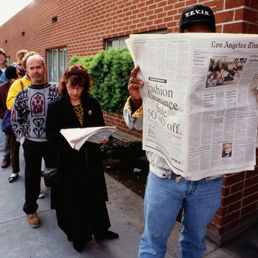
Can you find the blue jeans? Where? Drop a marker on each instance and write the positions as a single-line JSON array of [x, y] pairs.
[[200, 201]]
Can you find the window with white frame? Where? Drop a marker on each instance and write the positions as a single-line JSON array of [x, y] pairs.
[[56, 63], [8, 60], [120, 41]]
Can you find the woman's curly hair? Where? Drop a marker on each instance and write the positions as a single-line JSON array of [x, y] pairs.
[[77, 75]]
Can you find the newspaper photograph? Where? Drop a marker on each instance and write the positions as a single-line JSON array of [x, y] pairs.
[[199, 100]]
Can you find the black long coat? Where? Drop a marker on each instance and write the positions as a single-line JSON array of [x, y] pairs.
[[79, 198]]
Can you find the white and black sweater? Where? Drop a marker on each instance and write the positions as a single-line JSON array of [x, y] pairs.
[[29, 111]]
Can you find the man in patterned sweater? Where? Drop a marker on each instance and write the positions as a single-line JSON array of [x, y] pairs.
[[29, 125]]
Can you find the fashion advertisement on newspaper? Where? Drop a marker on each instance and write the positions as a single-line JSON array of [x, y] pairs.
[[199, 100]]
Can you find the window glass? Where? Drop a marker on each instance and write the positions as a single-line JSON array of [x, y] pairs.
[[55, 66], [120, 42], [50, 66], [61, 62], [8, 60], [65, 60], [57, 63]]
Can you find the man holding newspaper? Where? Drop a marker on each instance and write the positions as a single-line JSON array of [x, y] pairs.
[[166, 192]]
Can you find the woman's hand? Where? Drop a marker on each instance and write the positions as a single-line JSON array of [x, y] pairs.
[[105, 141]]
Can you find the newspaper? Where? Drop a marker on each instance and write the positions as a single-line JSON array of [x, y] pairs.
[[199, 100], [76, 137]]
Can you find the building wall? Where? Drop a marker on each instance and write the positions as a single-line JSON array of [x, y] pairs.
[[82, 26]]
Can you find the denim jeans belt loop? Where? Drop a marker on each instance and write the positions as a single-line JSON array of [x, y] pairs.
[[178, 178]]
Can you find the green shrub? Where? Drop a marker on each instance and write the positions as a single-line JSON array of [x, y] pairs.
[[124, 151], [110, 73]]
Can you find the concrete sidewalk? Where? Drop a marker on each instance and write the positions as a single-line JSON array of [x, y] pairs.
[[18, 240]]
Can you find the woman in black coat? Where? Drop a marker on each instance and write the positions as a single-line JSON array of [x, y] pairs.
[[80, 194]]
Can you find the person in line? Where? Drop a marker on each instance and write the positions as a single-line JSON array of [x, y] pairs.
[[80, 195], [7, 157], [18, 85], [3, 60], [29, 125], [19, 56], [11, 75], [166, 194], [21, 70]]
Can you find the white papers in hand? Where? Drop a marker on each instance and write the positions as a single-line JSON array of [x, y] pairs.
[[76, 137]]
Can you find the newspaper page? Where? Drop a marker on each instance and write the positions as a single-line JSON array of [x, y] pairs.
[[76, 137], [199, 100]]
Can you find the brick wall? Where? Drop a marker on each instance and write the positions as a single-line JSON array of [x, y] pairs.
[[82, 26], [237, 16], [239, 205], [118, 121]]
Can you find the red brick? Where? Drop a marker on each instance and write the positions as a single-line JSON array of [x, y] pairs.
[[159, 21], [217, 220], [232, 225], [234, 178], [224, 17], [171, 24], [190, 2], [251, 190], [161, 26], [251, 181], [230, 217], [225, 191], [178, 5], [162, 15], [152, 7], [235, 28], [170, 2], [235, 206], [222, 211], [234, 3], [251, 174], [250, 199], [143, 9], [168, 19], [231, 199], [215, 229], [152, 28], [150, 2], [251, 15], [248, 217], [149, 13], [250, 208], [141, 4], [253, 29], [239, 14], [164, 3], [252, 4], [171, 13], [237, 187], [149, 23]]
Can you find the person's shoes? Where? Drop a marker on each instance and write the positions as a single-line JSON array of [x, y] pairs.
[[5, 163], [41, 195], [13, 178], [106, 235], [33, 220], [78, 246]]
